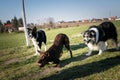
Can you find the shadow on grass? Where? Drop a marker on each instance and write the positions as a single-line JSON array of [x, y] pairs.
[[69, 60], [77, 46], [112, 50], [108, 50], [86, 69]]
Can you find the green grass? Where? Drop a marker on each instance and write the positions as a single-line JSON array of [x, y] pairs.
[[7, 40], [18, 63]]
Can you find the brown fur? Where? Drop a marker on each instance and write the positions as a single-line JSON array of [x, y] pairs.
[[54, 52]]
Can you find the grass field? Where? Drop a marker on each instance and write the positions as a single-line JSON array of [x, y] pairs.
[[18, 63]]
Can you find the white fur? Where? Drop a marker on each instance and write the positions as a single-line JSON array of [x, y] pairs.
[[97, 33], [100, 46], [106, 44], [35, 43]]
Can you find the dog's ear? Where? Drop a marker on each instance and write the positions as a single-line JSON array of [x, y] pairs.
[[35, 29]]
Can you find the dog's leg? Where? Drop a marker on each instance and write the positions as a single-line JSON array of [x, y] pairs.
[[116, 43], [90, 46], [100, 52], [89, 53], [35, 45], [68, 47], [102, 47], [57, 62], [36, 49], [61, 54], [117, 48], [106, 44], [39, 47], [71, 54]]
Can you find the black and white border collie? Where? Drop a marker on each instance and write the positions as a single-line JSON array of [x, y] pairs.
[[96, 36], [37, 37]]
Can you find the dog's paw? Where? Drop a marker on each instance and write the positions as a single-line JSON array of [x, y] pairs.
[[99, 53], [58, 65], [88, 54]]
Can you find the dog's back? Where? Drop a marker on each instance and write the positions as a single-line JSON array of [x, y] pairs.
[[61, 39], [54, 52], [41, 36], [109, 30]]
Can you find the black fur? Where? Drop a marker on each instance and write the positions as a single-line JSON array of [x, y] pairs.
[[100, 34], [39, 35], [107, 30]]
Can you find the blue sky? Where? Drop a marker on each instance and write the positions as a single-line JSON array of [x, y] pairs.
[[67, 10]]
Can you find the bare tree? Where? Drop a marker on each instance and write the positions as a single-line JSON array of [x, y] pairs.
[[51, 22]]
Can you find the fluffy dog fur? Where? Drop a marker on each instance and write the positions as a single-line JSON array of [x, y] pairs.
[[37, 38], [96, 37], [55, 51]]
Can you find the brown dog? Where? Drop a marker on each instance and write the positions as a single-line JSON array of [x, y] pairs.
[[54, 52]]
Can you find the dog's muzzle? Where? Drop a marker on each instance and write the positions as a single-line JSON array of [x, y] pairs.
[[86, 41], [30, 36]]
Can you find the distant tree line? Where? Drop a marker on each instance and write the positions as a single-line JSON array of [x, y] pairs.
[[12, 24], [48, 23]]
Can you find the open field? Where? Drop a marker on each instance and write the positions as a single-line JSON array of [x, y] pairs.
[[18, 63]]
